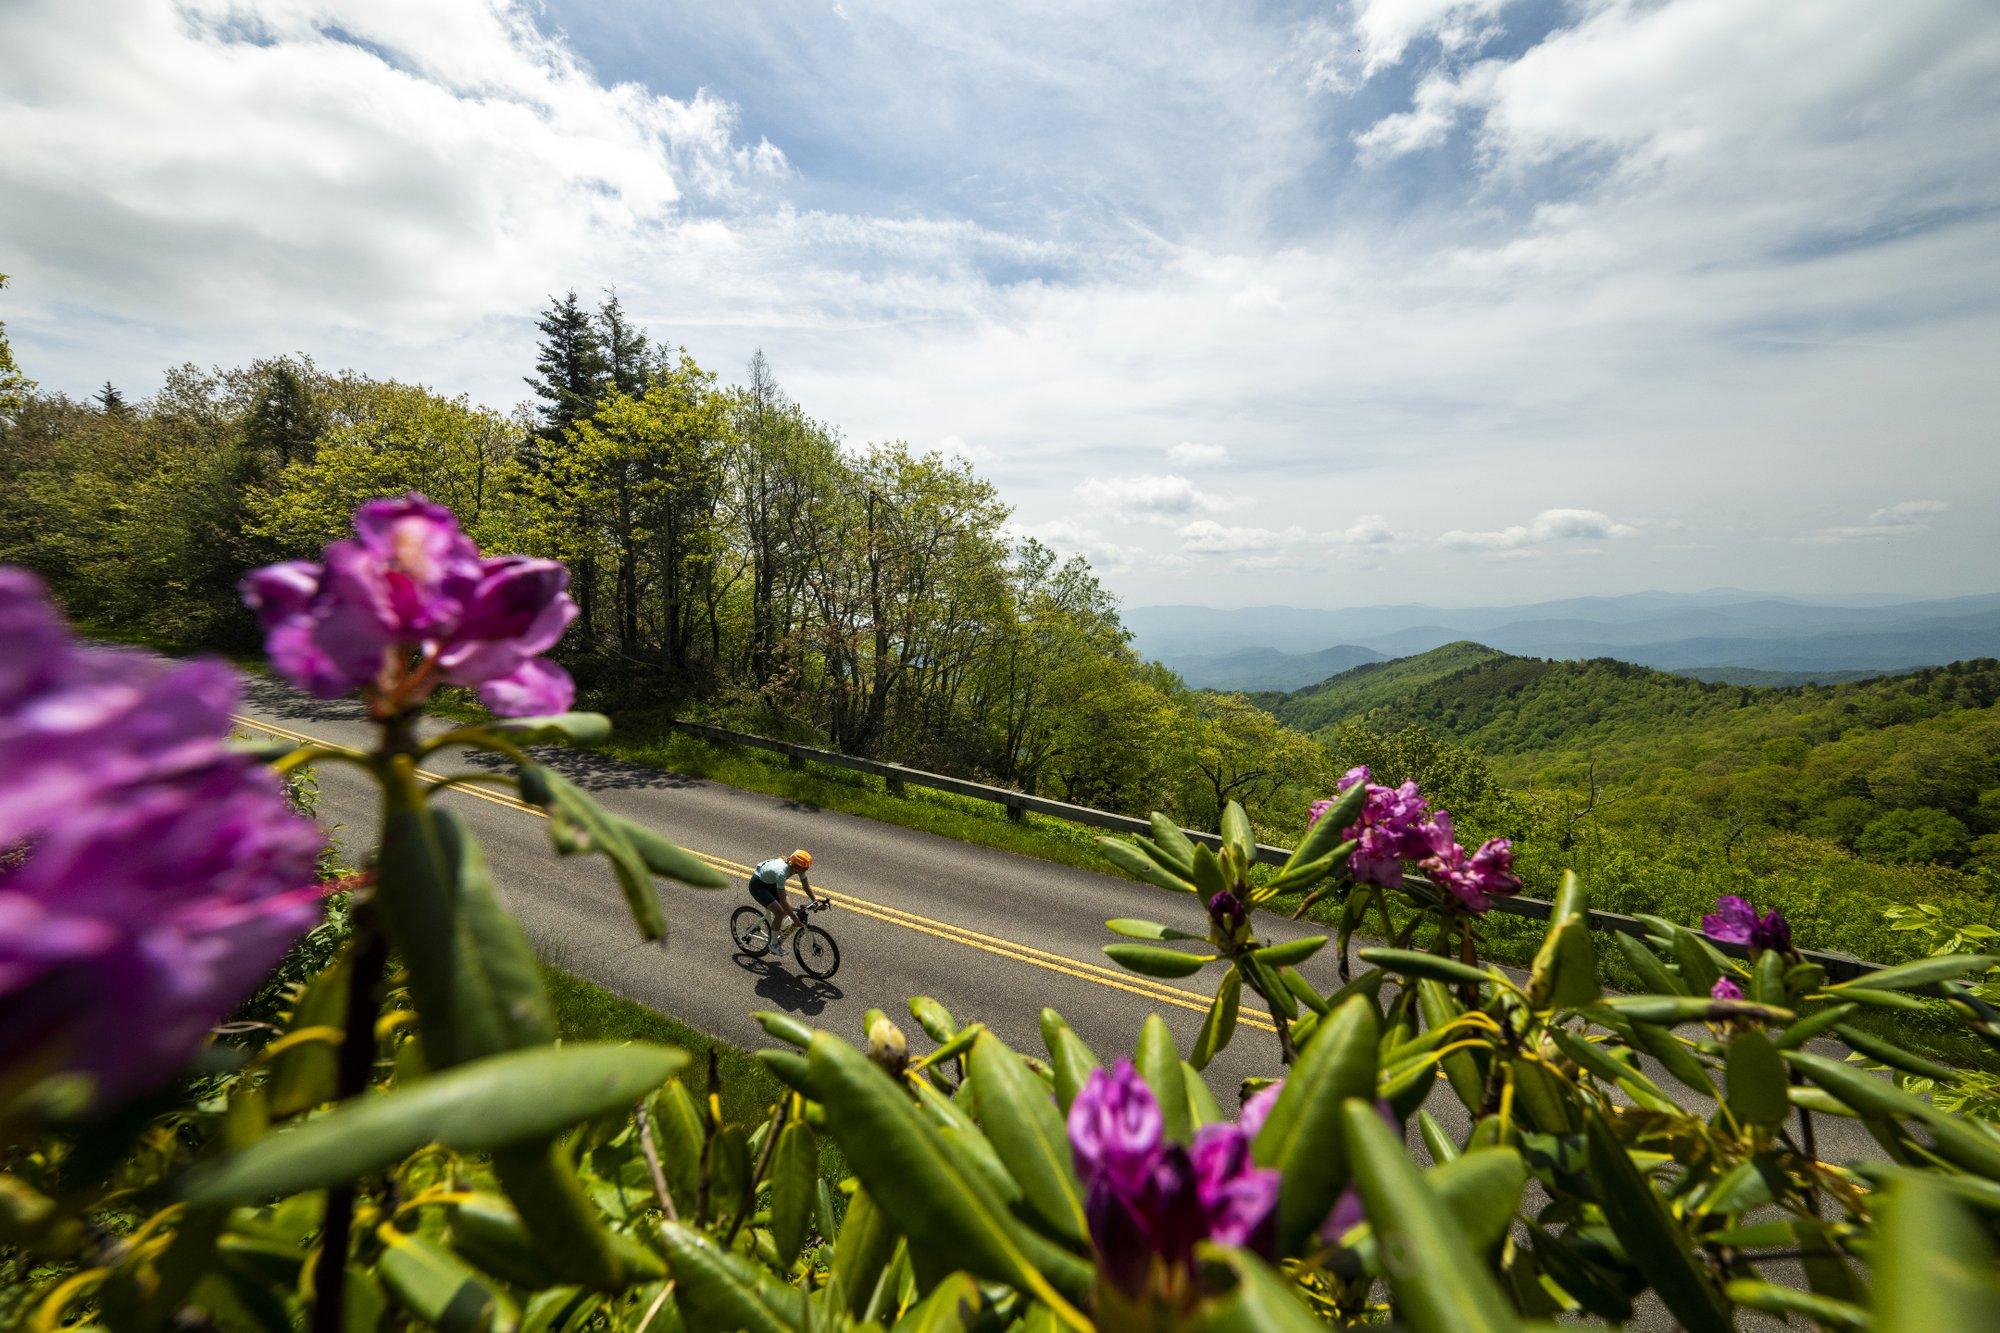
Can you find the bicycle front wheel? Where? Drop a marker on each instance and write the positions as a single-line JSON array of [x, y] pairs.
[[751, 930], [818, 955]]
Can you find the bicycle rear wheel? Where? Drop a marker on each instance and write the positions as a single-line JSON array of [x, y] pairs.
[[818, 955], [751, 930]]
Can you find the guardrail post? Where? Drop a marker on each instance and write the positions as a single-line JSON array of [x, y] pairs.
[[794, 761], [1016, 813], [895, 784]]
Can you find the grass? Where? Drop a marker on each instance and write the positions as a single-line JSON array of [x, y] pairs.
[[645, 737]]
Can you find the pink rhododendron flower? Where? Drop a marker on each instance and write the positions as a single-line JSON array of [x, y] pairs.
[[154, 878], [1149, 1200], [411, 585]]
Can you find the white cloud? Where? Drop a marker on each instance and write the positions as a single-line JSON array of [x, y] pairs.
[[430, 164], [1902, 519], [1369, 530], [1551, 525], [1189, 454], [1697, 259], [1070, 536], [1384, 29], [1152, 496], [1207, 537]]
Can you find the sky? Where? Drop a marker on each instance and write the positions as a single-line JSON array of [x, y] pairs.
[[1359, 301]]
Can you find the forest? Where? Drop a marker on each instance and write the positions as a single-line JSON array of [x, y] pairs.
[[736, 560]]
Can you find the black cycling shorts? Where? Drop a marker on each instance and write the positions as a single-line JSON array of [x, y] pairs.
[[764, 893]]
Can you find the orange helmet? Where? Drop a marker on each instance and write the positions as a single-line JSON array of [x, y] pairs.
[[800, 860]]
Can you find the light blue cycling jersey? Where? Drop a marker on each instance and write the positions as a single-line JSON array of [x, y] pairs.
[[772, 872]]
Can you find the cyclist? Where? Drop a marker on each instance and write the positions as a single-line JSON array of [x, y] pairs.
[[767, 886]]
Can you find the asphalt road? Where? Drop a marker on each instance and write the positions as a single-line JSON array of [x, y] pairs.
[[992, 935]]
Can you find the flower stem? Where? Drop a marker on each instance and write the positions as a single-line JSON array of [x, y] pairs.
[[368, 958]]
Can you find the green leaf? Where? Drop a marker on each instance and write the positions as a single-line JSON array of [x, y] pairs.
[[924, 1188], [573, 728], [1219, 1025], [1439, 1006], [1133, 928], [665, 859], [440, 1288], [497, 1102], [1592, 1056], [1480, 1190], [577, 823], [1921, 972], [1699, 970], [1440, 1285], [487, 1231], [1934, 1264], [1262, 1301], [1292, 952], [794, 1178], [1328, 830], [1310, 871], [1812, 1025], [1668, 1010], [1027, 1132], [785, 1027], [677, 1126], [1169, 838], [1149, 961], [1159, 1064], [1961, 1141], [1070, 1057], [1410, 963], [1301, 1137], [1203, 1109], [1888, 1053], [1653, 1240], [1140, 866], [952, 1307], [933, 1018], [717, 1289], [476, 983], [1571, 900], [1565, 968], [1208, 876], [1653, 974], [867, 1239], [1437, 1142], [1756, 1080], [1236, 831], [303, 1076], [1756, 1294], [1883, 999]]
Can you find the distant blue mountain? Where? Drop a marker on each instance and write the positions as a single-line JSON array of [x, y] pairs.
[[1269, 647]]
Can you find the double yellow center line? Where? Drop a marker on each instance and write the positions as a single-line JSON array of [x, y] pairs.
[[1145, 988]]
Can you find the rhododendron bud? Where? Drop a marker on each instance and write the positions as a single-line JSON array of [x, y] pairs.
[[1725, 989], [1225, 909], [1115, 1126]]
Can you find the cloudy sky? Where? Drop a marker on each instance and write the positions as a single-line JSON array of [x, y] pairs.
[[1333, 303]]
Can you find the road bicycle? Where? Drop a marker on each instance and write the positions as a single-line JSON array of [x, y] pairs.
[[818, 955]]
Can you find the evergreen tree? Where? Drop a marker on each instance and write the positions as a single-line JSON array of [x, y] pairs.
[[625, 349], [571, 369], [112, 401], [283, 424]]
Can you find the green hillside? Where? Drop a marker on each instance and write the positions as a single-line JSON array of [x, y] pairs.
[[1894, 769], [1355, 692]]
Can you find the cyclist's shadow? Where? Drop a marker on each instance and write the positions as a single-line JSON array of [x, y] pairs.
[[793, 993]]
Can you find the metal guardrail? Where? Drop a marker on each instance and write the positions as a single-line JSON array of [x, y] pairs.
[[1839, 966]]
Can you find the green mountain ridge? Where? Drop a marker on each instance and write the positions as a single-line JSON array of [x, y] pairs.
[[1903, 767]]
